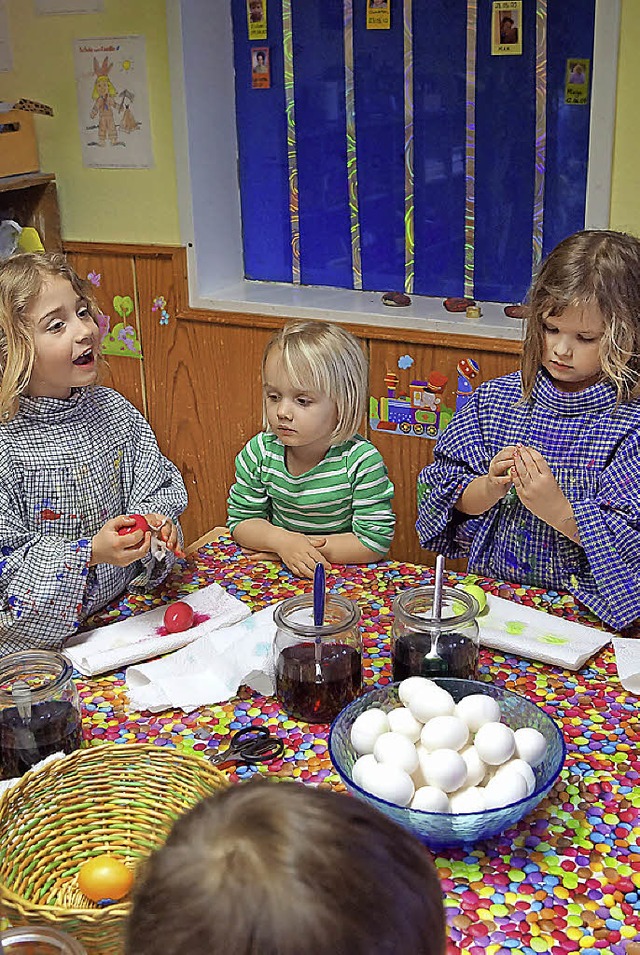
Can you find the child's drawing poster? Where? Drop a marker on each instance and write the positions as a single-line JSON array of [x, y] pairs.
[[113, 102]]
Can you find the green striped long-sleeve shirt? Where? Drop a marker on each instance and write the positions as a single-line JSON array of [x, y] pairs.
[[349, 490]]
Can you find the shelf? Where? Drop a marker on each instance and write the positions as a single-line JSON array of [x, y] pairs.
[[25, 181], [32, 200]]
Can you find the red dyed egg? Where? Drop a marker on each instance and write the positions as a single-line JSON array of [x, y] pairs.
[[140, 525], [178, 617]]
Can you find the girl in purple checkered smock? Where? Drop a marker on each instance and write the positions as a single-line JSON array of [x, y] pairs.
[[537, 478], [75, 460]]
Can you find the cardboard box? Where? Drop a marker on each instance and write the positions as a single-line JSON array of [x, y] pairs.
[[18, 144]]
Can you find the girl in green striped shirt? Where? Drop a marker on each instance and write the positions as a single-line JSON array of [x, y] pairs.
[[309, 488]]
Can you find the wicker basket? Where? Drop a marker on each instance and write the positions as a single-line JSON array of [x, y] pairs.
[[121, 799]]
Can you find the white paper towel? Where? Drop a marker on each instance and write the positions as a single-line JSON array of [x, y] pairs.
[[138, 637], [627, 651], [210, 670], [516, 628]]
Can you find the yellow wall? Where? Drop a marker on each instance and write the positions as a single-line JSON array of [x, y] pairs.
[[138, 205], [625, 187], [102, 205]]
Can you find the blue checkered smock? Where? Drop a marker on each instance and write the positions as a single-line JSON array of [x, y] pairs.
[[593, 450], [66, 467]]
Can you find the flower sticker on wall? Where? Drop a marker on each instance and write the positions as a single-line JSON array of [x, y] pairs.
[[122, 339], [95, 278], [103, 322], [160, 305]]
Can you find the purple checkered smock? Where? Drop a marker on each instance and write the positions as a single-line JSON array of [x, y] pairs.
[[593, 450], [66, 467]]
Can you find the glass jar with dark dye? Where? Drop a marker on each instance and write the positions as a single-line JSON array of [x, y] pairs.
[[318, 670], [39, 710], [424, 646]]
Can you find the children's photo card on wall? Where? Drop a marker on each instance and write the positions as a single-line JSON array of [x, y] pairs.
[[260, 68], [257, 19], [378, 14], [113, 102], [576, 90], [506, 28]]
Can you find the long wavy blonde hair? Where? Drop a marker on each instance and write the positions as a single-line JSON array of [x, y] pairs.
[[598, 267], [21, 280]]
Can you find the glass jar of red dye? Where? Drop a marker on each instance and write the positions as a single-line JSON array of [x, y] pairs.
[[424, 646], [39, 710], [318, 670]]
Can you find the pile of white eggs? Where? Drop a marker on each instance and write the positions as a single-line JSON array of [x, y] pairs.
[[437, 755]]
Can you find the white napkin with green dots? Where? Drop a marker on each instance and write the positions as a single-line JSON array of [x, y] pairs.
[[515, 628]]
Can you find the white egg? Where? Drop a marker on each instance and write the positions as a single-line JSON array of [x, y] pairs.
[[476, 767], [423, 758], [360, 766], [530, 745], [394, 749], [469, 799], [366, 729], [518, 766], [388, 782], [502, 791], [402, 720], [495, 743], [430, 799], [418, 777], [412, 685], [444, 732], [427, 702], [444, 768], [477, 709]]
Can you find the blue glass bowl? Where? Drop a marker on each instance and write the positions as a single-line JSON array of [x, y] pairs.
[[438, 829]]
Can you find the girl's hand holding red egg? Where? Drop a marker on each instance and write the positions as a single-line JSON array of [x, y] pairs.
[[127, 538], [121, 541]]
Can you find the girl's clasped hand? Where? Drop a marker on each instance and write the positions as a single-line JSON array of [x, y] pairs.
[[526, 470]]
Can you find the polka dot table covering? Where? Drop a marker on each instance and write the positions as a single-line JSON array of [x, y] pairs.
[[565, 879]]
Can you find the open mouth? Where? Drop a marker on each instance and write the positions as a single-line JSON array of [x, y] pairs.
[[85, 359]]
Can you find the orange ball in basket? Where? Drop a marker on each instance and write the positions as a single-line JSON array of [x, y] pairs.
[[104, 877]]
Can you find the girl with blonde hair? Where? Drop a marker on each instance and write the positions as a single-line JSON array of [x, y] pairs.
[[309, 488], [75, 460]]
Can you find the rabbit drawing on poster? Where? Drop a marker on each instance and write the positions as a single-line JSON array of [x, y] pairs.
[[103, 95]]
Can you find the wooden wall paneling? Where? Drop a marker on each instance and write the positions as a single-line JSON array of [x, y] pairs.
[[405, 454], [204, 395], [117, 277]]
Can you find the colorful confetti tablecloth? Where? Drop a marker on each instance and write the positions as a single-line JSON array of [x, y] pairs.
[[565, 879]]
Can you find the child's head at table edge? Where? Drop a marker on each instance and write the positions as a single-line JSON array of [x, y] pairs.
[[598, 268], [276, 868], [323, 357], [22, 278]]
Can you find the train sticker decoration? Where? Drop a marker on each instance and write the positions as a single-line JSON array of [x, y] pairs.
[[419, 410]]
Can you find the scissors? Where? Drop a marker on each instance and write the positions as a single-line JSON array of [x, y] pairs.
[[252, 744]]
